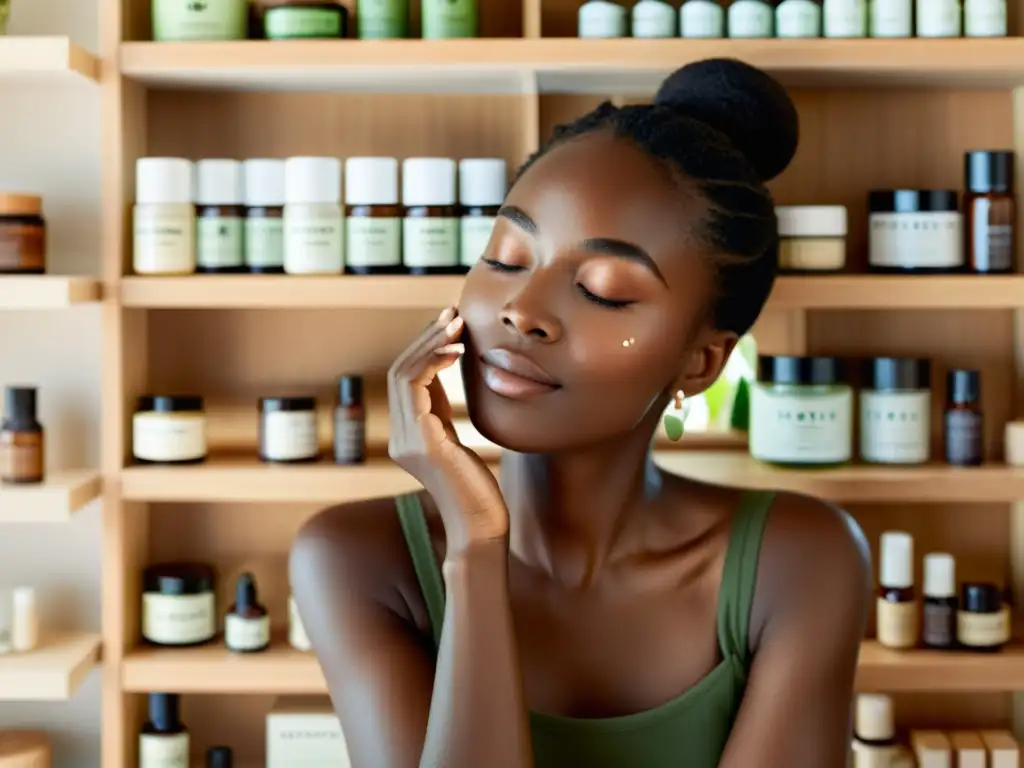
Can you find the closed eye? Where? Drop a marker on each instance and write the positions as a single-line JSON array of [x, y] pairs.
[[502, 266], [601, 300]]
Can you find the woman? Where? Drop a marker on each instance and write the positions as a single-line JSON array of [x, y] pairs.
[[590, 610]]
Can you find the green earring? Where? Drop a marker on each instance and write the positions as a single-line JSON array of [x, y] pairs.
[[673, 422]]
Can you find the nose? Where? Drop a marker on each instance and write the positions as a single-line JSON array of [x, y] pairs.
[[529, 313]]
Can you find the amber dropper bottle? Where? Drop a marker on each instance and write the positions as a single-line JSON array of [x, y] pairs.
[[22, 458], [247, 624], [898, 620]]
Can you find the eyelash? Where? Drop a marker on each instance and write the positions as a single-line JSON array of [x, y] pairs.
[[501, 266]]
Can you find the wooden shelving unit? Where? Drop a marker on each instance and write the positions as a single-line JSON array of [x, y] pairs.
[[54, 501], [53, 671], [32, 57], [46, 291], [874, 114]]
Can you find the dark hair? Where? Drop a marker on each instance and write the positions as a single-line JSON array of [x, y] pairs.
[[729, 128]]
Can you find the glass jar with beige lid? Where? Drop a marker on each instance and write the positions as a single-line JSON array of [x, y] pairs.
[[812, 238], [22, 234]]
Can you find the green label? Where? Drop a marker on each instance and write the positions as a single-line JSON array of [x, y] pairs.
[[219, 242], [200, 19], [264, 242], [449, 18], [373, 242], [474, 236], [382, 19], [430, 242], [288, 21]]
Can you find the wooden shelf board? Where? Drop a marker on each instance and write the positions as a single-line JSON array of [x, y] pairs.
[[564, 65], [53, 671], [285, 671], [245, 479], [30, 56], [46, 291], [403, 292], [52, 501]]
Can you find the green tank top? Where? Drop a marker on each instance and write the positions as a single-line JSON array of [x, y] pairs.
[[690, 730]]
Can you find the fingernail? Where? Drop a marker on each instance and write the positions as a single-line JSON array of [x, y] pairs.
[[454, 326], [451, 349], [446, 316]]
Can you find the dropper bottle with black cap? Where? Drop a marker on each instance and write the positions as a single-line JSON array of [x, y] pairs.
[[247, 624], [962, 425], [990, 211], [219, 757], [164, 740]]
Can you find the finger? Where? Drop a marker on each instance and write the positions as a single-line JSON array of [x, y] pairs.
[[427, 339], [398, 397]]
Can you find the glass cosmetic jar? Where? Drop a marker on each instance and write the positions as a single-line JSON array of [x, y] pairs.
[[288, 429], [801, 412], [178, 605], [812, 238], [22, 235], [895, 411], [915, 230], [983, 621], [169, 429]]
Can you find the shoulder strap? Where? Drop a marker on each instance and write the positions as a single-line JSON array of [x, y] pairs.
[[739, 573], [421, 550]]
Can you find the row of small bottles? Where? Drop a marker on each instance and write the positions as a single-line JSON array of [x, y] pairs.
[[979, 620], [795, 19], [286, 216]]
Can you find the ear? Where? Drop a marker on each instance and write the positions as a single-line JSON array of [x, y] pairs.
[[703, 364]]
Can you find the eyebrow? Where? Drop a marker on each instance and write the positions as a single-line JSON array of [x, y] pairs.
[[603, 245]]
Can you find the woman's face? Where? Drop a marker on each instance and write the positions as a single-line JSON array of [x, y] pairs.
[[587, 310]]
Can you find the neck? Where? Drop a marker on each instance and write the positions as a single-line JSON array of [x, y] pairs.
[[569, 512]]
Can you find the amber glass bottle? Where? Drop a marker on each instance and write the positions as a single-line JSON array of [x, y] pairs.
[[990, 209], [22, 458], [962, 424]]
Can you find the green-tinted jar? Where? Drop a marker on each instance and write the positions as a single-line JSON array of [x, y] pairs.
[[305, 19], [188, 20], [382, 19], [444, 19]]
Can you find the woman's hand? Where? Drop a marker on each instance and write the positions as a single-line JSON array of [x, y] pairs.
[[423, 441]]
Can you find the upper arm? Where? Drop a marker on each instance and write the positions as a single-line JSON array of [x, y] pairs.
[[344, 570], [811, 610]]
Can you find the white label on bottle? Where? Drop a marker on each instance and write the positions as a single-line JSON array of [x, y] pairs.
[[168, 436], [163, 750], [178, 619], [264, 242], [897, 625], [289, 435], [750, 18], [701, 18], [243, 633], [892, 18], [895, 427], [846, 18], [600, 18], [219, 242], [916, 240], [164, 240], [938, 18], [798, 18], [475, 233], [983, 630], [313, 240], [297, 637], [653, 18], [430, 242], [373, 242], [792, 427], [985, 18]]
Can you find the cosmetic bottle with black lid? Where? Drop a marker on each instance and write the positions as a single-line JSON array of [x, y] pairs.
[[164, 740], [219, 757], [990, 211], [915, 231]]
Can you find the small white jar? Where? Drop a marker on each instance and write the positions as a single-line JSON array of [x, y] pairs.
[[178, 605], [314, 240], [164, 217], [653, 18], [750, 19], [845, 18], [915, 230], [288, 430], [601, 19], [895, 411], [701, 19], [891, 18], [939, 18], [430, 230], [25, 635], [798, 18], [169, 429], [985, 18]]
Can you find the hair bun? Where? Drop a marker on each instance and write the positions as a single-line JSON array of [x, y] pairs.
[[743, 102]]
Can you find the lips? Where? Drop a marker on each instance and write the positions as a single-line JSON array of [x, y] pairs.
[[514, 375]]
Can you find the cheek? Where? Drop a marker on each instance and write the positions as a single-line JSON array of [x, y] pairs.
[[642, 356]]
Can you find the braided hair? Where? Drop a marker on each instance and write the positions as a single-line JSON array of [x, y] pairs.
[[728, 128]]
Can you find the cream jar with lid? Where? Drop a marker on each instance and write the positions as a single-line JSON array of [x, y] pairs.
[[178, 604], [812, 238], [801, 412], [288, 429], [915, 230], [169, 429], [895, 411]]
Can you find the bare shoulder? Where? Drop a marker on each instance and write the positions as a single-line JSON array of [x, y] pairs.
[[813, 557], [358, 547]]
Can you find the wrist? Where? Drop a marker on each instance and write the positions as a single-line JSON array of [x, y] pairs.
[[475, 557]]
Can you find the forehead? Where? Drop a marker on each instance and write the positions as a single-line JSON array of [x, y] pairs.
[[598, 186]]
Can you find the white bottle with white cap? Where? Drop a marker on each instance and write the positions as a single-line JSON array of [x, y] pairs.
[[25, 630], [940, 604], [430, 230], [483, 184], [874, 732], [164, 217], [898, 613], [314, 236], [220, 216], [373, 216], [264, 215]]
